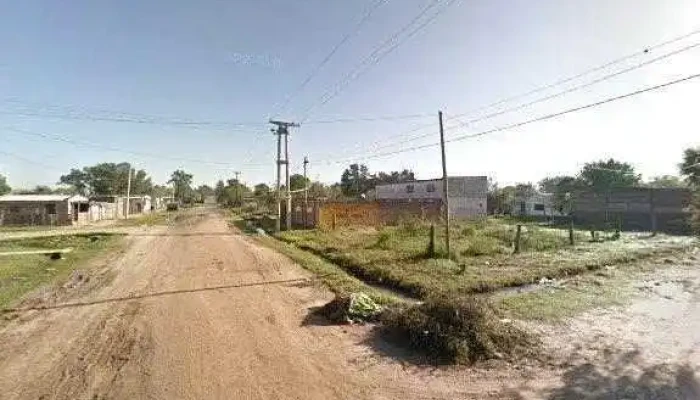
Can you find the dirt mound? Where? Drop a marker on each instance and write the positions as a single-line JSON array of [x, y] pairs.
[[457, 330]]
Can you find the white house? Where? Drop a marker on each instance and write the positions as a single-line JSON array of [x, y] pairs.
[[467, 194], [535, 205]]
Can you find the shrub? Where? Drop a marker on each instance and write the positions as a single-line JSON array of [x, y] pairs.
[[354, 307], [457, 330]]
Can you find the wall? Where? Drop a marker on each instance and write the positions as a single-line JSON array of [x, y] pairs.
[[376, 213], [467, 194], [34, 213], [635, 209]]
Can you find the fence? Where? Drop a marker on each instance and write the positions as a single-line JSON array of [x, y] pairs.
[[375, 213]]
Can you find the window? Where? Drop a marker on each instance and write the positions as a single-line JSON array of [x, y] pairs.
[[51, 209], [83, 207], [410, 188], [538, 207], [430, 188]]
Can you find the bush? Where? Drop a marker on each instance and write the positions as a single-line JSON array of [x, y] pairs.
[[354, 307], [457, 330]]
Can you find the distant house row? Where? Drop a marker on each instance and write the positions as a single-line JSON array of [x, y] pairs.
[[58, 209]]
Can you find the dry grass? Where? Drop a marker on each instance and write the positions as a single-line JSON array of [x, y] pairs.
[[482, 259], [457, 330]]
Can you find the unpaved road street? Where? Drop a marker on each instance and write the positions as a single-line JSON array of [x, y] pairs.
[[195, 311], [247, 341]]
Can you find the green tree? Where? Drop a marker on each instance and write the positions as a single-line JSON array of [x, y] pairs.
[[665, 181], [220, 191], [394, 177], [690, 167], [161, 191], [298, 182], [561, 187], [602, 176], [107, 179], [38, 189], [356, 180], [182, 182], [261, 190], [4, 187]]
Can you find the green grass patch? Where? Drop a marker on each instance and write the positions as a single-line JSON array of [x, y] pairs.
[[334, 277], [20, 274], [482, 260]]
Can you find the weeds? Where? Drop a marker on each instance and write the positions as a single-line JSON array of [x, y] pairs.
[[457, 330]]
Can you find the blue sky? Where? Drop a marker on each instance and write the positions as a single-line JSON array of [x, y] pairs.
[[67, 66]]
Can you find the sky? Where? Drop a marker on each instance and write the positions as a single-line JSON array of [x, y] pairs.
[[169, 84]]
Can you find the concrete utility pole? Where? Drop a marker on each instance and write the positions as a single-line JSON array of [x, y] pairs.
[[306, 192], [445, 187], [128, 193], [283, 129], [238, 188]]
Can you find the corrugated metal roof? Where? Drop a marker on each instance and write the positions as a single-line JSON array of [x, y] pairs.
[[41, 198]]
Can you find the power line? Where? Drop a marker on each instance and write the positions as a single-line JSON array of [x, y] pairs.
[[539, 89], [120, 150], [28, 161], [554, 95], [589, 71], [380, 52], [526, 122], [228, 125], [365, 18]]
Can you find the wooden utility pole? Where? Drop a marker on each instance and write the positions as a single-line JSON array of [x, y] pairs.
[[445, 187], [128, 194], [306, 192], [283, 129]]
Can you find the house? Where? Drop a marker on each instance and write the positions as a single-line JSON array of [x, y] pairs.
[[114, 207], [44, 209], [467, 194], [645, 209], [535, 205]]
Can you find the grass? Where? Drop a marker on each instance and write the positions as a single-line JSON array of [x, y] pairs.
[[21, 274], [149, 219], [332, 276], [482, 259]]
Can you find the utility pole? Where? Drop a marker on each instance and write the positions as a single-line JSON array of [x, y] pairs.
[[128, 193], [238, 188], [283, 129], [445, 187], [306, 192]]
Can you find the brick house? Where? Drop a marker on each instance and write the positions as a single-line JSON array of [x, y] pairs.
[[44, 209]]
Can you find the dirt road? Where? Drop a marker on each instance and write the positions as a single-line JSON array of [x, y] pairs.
[[246, 341], [195, 311]]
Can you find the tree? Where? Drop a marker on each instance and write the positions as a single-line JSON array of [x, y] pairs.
[[161, 191], [503, 199], [690, 167], [220, 191], [182, 182], [524, 190], [665, 181], [602, 176], [298, 182], [39, 189], [561, 188], [107, 179], [355, 180], [4, 187], [394, 177], [261, 190]]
